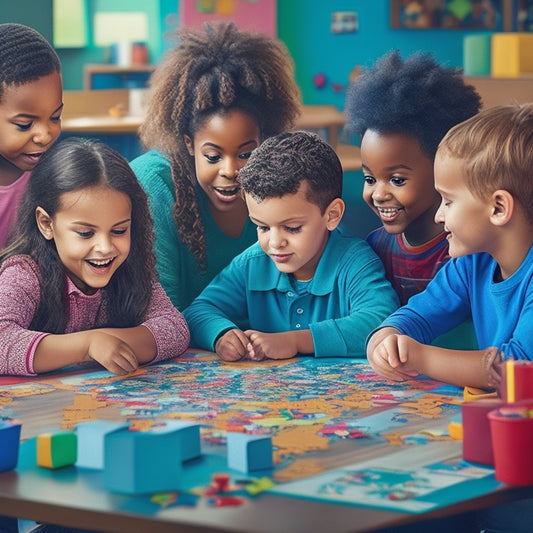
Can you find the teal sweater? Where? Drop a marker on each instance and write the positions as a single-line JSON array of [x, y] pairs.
[[178, 269]]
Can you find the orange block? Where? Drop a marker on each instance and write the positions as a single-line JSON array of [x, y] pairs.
[[512, 54]]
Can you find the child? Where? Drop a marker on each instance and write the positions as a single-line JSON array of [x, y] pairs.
[[402, 109], [303, 288], [78, 281], [31, 101], [483, 173], [215, 97]]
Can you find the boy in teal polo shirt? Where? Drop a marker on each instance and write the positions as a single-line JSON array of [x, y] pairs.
[[303, 288]]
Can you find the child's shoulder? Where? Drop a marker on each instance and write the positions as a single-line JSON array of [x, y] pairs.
[[21, 267]]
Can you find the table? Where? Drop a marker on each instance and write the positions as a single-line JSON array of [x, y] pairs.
[[322, 414]]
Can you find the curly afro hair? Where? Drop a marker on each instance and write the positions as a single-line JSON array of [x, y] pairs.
[[416, 96]]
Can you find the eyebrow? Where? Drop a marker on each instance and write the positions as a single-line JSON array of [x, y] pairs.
[[393, 167], [213, 145], [282, 222], [89, 225], [28, 115]]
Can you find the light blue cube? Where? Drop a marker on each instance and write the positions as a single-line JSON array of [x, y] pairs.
[[249, 453], [91, 437]]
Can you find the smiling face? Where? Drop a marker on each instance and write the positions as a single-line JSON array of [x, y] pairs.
[[399, 185], [91, 231], [221, 147], [292, 231], [466, 217], [30, 122]]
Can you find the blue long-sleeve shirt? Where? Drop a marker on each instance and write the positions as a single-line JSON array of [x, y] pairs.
[[347, 298], [502, 311]]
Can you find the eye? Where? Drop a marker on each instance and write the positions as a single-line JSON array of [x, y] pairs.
[[56, 119], [246, 155], [23, 127], [293, 229], [262, 229], [85, 234], [369, 180], [397, 181], [120, 231], [212, 159]]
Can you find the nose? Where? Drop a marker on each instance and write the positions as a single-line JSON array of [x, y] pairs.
[[230, 168], [439, 215], [381, 192], [42, 134], [276, 239], [103, 244]]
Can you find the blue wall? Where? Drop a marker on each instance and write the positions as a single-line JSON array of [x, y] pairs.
[[304, 26]]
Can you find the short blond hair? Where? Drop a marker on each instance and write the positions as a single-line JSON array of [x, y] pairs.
[[496, 146]]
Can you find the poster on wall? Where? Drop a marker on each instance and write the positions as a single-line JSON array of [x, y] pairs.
[[256, 15]]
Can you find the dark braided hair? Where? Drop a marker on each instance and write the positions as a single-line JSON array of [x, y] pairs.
[[213, 71], [25, 56], [280, 164], [417, 97]]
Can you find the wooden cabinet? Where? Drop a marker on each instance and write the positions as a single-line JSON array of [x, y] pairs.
[[497, 91]]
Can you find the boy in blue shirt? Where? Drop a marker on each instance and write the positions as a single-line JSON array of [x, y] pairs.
[[483, 173], [303, 288]]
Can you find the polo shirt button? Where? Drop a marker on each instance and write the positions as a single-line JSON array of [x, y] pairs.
[[299, 310], [298, 326], [290, 293]]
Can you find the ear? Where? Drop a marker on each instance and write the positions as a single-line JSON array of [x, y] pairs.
[[334, 213], [502, 206], [44, 223], [189, 144]]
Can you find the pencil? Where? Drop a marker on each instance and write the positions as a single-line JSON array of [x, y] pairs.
[[509, 376]]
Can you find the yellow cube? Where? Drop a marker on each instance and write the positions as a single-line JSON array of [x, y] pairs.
[[512, 54]]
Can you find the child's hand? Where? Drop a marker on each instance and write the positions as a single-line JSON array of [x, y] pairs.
[[271, 345], [232, 346], [394, 356], [111, 352]]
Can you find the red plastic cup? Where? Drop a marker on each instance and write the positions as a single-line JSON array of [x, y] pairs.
[[477, 446], [512, 445], [523, 381]]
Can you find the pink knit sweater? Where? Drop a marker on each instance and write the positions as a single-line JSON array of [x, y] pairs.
[[19, 301]]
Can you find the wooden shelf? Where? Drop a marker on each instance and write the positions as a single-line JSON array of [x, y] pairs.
[[91, 70]]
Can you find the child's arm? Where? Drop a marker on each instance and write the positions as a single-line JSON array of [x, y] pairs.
[[283, 345], [232, 345], [399, 357], [57, 351]]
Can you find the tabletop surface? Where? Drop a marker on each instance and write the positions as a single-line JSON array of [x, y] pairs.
[[351, 451]]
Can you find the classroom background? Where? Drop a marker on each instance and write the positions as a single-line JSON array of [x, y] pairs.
[[107, 45]]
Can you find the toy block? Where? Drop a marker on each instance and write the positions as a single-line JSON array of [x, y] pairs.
[[249, 453], [189, 433], [91, 437], [476, 55], [55, 450], [9, 445], [137, 462], [512, 54]]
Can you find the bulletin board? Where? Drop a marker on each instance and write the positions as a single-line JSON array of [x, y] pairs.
[[255, 15]]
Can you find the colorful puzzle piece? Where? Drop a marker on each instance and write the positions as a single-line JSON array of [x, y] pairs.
[[137, 462], [91, 437], [249, 453], [9, 445], [55, 450]]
